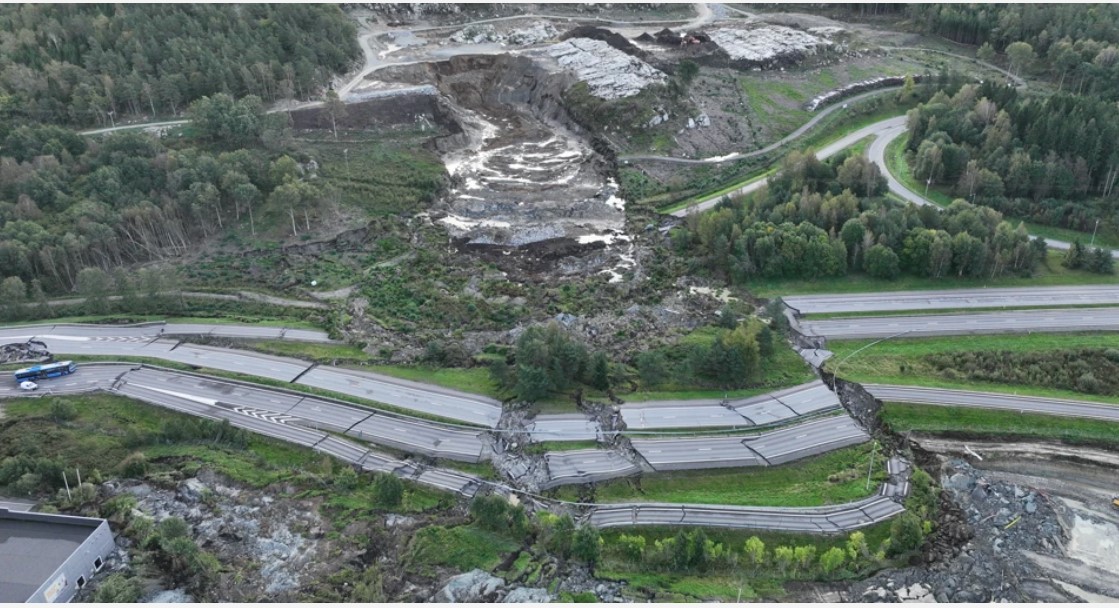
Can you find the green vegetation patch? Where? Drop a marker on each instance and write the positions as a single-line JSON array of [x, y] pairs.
[[461, 547], [978, 423], [720, 567], [898, 165], [475, 380], [835, 477], [691, 369], [383, 174], [319, 353], [1069, 366]]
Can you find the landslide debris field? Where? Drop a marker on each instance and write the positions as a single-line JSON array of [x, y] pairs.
[[537, 109]]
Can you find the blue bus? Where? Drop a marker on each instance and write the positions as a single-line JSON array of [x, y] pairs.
[[48, 370]]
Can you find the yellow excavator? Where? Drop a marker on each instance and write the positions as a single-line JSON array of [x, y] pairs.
[[1115, 502]]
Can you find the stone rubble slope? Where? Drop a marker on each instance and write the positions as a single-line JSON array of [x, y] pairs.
[[766, 43], [610, 73]]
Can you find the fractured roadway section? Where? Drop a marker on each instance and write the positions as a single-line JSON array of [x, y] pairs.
[[835, 518], [145, 341], [809, 398], [317, 440], [771, 448], [278, 414], [401, 432], [586, 466], [425, 398]]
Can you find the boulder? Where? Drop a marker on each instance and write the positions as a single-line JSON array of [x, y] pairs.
[[527, 595], [192, 490], [472, 587]]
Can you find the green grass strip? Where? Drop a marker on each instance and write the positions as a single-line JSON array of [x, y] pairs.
[[833, 478], [988, 424]]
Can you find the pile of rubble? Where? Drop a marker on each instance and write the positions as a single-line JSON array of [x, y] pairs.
[[32, 351], [767, 43], [855, 88], [610, 73], [479, 586], [537, 33], [979, 553], [279, 543]]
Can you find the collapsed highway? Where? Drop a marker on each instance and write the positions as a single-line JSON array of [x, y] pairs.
[[341, 429]]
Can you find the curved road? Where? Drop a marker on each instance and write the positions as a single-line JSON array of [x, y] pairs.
[[998, 401], [839, 105]]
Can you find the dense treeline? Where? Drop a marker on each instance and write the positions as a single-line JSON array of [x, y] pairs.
[[809, 223], [1054, 160], [547, 360], [68, 203], [1075, 44], [77, 63]]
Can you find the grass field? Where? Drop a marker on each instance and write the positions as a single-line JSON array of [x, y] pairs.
[[831, 478], [312, 351], [992, 424], [903, 361], [784, 369], [461, 547], [471, 380], [896, 163]]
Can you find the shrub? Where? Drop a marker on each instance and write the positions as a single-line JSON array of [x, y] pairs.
[[632, 547], [906, 534], [389, 489], [135, 465], [118, 589], [586, 545], [490, 511], [62, 411]]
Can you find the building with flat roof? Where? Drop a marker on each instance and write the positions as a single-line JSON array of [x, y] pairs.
[[46, 557]]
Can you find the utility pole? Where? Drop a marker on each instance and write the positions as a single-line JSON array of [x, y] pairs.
[[927, 182], [870, 467], [1094, 233]]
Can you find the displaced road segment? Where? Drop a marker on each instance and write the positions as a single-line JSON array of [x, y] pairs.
[[772, 448], [809, 398], [408, 434], [586, 466], [997, 401], [948, 299], [834, 518], [145, 341], [1003, 322]]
